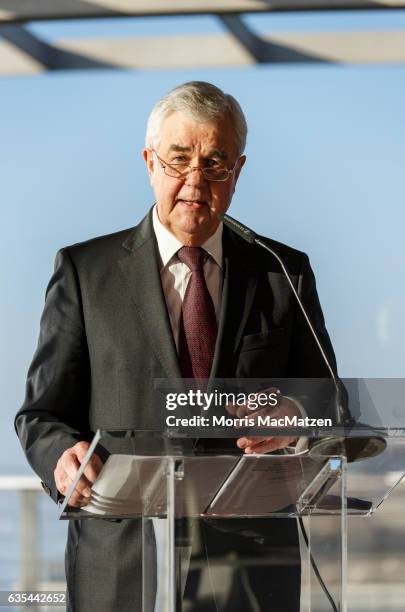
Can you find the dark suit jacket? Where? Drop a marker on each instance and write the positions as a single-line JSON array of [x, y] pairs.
[[105, 336]]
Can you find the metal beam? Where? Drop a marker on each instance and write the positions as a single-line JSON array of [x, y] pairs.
[[21, 11], [47, 55], [264, 51]]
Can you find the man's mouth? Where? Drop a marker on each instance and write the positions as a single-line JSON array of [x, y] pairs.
[[193, 204]]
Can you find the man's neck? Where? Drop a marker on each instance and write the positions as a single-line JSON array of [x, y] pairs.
[[169, 243]]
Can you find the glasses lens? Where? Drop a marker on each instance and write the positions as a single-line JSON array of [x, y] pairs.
[[182, 170], [215, 174], [176, 170]]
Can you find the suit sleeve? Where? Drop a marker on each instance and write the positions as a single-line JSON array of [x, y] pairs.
[[306, 360], [54, 415]]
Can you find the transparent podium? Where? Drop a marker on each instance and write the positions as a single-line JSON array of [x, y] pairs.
[[220, 526]]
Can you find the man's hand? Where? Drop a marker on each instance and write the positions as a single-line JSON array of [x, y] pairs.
[[66, 470], [255, 444]]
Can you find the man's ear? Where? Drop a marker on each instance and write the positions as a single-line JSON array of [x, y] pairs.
[[149, 161], [239, 166]]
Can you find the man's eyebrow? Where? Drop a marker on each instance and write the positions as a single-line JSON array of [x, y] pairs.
[[214, 153], [177, 147]]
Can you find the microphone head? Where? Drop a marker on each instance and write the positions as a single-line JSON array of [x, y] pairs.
[[240, 229]]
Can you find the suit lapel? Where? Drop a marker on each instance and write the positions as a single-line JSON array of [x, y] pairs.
[[140, 268], [239, 287]]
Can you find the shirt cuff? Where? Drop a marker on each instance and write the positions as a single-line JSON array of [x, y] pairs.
[[302, 442]]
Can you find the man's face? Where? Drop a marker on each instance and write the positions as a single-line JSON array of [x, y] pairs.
[[189, 207]]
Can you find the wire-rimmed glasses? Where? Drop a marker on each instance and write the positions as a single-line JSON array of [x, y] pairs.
[[182, 170]]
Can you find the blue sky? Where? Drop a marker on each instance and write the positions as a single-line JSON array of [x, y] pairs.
[[326, 150]]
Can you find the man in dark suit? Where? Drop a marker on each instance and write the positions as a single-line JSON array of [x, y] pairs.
[[120, 313]]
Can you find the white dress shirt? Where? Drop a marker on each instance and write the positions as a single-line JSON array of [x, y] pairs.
[[176, 274]]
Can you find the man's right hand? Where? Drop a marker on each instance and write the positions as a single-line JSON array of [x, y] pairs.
[[66, 470]]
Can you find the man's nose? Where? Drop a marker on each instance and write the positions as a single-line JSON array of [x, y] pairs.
[[195, 176]]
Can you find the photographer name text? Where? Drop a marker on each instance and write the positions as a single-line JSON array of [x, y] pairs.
[[257, 421]]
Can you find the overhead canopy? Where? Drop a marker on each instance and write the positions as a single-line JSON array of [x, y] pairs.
[[22, 11], [23, 52]]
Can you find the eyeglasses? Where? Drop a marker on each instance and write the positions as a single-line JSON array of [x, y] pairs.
[[182, 170]]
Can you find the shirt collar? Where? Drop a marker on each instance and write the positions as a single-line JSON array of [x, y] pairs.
[[168, 244]]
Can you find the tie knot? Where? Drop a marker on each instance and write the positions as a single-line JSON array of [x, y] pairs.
[[193, 257]]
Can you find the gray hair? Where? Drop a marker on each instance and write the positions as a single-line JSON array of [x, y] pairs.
[[201, 101]]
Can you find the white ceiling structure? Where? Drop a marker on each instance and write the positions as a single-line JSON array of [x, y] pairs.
[[22, 52]]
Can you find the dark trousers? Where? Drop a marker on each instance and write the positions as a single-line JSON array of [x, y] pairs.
[[244, 566]]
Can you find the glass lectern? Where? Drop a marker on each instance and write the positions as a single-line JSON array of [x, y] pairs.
[[215, 520]]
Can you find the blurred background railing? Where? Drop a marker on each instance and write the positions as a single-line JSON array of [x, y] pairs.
[[33, 541]]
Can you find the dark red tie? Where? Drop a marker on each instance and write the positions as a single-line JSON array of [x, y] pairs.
[[198, 324]]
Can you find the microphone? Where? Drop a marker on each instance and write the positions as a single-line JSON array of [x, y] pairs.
[[354, 448]]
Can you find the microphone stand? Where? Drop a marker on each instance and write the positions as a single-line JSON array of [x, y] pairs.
[[353, 448]]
